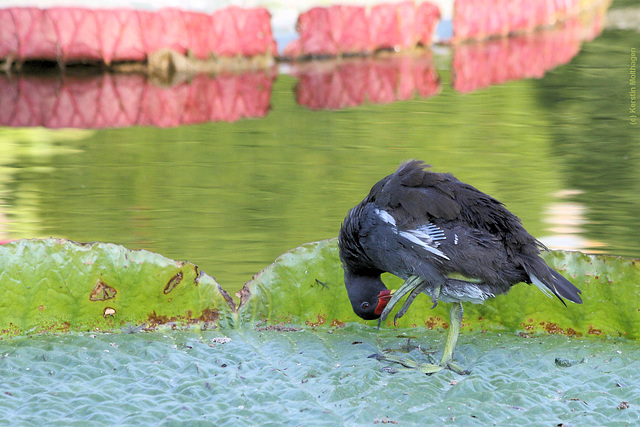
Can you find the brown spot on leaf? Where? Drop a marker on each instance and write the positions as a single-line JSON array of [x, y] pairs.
[[336, 323], [102, 292], [209, 315], [244, 294], [594, 331], [41, 308], [173, 282], [108, 311], [573, 333], [230, 302], [552, 328], [321, 321], [435, 322], [196, 280], [156, 319]]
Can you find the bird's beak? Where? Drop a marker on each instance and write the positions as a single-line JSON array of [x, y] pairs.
[[383, 300]]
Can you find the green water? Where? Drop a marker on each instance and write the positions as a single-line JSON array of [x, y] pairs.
[[231, 197]]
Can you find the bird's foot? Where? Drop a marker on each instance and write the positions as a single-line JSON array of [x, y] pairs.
[[413, 286], [456, 368], [435, 296], [411, 365]]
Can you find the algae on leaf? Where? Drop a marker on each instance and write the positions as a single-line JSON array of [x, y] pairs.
[[305, 286], [60, 285]]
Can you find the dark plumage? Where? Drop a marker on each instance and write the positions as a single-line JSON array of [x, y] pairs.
[[425, 227]]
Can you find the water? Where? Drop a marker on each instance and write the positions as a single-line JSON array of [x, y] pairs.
[[559, 151]]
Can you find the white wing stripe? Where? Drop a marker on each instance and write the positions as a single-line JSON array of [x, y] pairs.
[[411, 236], [424, 236], [385, 216]]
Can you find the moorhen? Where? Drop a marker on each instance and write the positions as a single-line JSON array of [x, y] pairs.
[[444, 238]]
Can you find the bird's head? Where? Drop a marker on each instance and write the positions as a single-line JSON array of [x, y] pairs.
[[368, 295]]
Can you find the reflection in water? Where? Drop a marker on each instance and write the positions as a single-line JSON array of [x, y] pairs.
[[29, 152], [348, 83], [567, 220], [497, 61], [121, 100], [4, 227]]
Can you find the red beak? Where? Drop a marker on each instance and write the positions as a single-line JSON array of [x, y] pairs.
[[383, 300]]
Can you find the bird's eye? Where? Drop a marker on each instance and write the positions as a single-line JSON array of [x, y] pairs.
[[365, 305]]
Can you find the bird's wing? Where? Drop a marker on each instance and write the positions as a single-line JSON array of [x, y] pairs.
[[416, 196], [413, 193]]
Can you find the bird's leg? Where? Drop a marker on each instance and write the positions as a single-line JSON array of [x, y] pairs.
[[447, 355], [455, 317]]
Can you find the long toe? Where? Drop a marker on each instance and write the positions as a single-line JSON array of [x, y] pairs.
[[412, 365], [457, 369]]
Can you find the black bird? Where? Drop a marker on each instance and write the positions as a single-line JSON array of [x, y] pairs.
[[430, 229]]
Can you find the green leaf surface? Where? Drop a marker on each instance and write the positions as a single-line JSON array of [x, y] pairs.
[[305, 286], [59, 285]]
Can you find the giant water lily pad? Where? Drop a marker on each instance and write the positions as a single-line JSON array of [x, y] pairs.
[[305, 285], [250, 377], [59, 285]]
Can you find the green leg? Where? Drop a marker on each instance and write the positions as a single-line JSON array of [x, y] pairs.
[[447, 355], [455, 317]]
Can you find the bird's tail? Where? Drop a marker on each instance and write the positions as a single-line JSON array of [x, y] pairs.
[[547, 279]]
